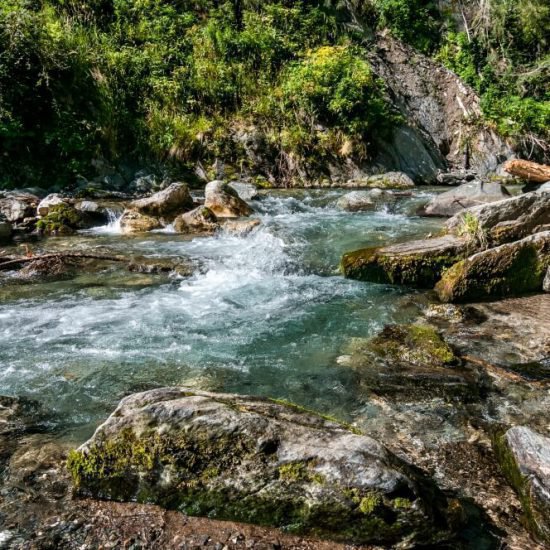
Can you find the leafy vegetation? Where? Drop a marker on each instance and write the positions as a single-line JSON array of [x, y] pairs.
[[175, 82]]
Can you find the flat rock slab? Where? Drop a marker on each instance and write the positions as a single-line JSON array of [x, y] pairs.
[[511, 269], [416, 263], [506, 220], [467, 195], [258, 461], [525, 459]]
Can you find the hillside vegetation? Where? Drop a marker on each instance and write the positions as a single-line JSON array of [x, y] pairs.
[[175, 82]]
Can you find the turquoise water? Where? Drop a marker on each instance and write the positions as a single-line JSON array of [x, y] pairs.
[[264, 314]]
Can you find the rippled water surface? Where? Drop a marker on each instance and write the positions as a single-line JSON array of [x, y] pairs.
[[264, 314]]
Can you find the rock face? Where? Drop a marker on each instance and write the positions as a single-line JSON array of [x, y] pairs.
[[166, 204], [546, 282], [507, 220], [257, 461], [389, 180], [467, 195], [416, 263], [18, 206], [62, 219], [525, 459], [48, 202], [240, 227], [246, 191], [201, 220], [356, 201], [224, 201], [134, 222], [438, 108], [508, 270]]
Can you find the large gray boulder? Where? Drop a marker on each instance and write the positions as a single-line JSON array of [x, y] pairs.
[[356, 201], [224, 201], [525, 459], [388, 180], [511, 269], [506, 220], [201, 220], [469, 194], [415, 263], [134, 222], [18, 206], [166, 204], [257, 461], [246, 191]]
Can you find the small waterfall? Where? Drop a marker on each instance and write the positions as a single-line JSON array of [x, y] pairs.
[[113, 225]]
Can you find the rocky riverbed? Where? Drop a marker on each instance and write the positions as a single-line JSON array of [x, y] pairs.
[[380, 416]]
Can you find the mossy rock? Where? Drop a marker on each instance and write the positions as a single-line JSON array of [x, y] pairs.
[[524, 457], [62, 219], [509, 270], [257, 461], [417, 263]]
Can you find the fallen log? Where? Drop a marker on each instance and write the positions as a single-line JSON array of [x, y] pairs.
[[527, 170]]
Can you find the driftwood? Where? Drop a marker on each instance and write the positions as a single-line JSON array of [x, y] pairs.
[[501, 372], [18, 262], [527, 170]]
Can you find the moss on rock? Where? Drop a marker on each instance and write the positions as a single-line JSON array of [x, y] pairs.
[[62, 219]]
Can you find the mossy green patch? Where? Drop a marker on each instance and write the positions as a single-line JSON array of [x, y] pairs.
[[62, 219]]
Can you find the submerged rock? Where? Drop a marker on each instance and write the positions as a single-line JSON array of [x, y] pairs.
[[467, 195], [416, 263], [356, 201], [506, 220], [525, 459], [166, 204], [456, 177], [508, 270], [224, 201], [134, 222], [201, 220], [257, 461]]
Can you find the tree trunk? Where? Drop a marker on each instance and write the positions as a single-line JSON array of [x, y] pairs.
[[530, 171]]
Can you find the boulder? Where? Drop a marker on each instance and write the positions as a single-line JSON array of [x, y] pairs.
[[224, 201], [508, 270], [506, 220], [389, 180], [545, 187], [99, 211], [134, 222], [246, 191], [62, 219], [18, 206], [524, 456], [166, 204], [356, 201], [5, 229], [201, 220], [257, 461], [45, 205], [416, 263], [240, 227], [465, 196]]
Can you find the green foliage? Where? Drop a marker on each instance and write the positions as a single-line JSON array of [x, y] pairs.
[[417, 22]]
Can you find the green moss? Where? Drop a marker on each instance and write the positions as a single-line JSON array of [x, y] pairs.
[[419, 270], [293, 471], [62, 219], [416, 344], [368, 504]]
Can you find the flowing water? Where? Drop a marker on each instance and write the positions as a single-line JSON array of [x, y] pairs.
[[264, 314]]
